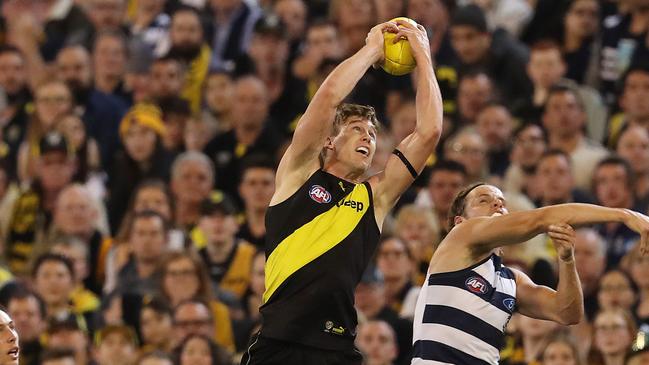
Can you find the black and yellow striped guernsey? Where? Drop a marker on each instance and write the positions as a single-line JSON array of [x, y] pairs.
[[318, 243]]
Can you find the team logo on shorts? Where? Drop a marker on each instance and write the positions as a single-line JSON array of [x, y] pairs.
[[476, 284], [509, 303], [320, 194]]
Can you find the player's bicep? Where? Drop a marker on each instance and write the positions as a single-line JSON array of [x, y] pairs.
[[535, 301], [403, 166]]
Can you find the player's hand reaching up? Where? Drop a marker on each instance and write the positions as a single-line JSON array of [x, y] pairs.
[[563, 237], [375, 38], [418, 39]]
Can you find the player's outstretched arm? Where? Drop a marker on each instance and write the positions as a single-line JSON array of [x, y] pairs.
[[483, 234], [301, 158], [417, 147], [566, 304]]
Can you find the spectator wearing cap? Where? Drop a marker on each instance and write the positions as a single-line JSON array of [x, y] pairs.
[[52, 101], [148, 234], [187, 44], [500, 55], [115, 345], [31, 212], [268, 58], [371, 304], [228, 259], [232, 25], [144, 157], [251, 133], [192, 179], [68, 333], [256, 189], [101, 112]]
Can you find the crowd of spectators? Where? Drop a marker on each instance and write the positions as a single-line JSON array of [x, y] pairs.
[[139, 141]]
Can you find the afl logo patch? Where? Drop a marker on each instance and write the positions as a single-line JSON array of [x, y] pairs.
[[509, 303], [320, 194], [476, 284]]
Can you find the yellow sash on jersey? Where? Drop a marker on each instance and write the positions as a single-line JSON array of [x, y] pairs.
[[315, 238]]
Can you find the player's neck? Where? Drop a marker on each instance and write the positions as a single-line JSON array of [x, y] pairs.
[[343, 171]]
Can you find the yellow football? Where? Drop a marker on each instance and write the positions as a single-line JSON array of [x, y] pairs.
[[398, 56]]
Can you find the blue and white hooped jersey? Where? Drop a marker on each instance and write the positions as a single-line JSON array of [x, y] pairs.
[[461, 316]]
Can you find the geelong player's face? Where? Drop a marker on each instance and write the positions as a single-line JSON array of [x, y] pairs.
[[357, 143], [485, 201]]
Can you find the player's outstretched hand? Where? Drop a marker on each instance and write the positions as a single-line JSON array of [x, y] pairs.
[[375, 38], [417, 37], [639, 223], [563, 237]]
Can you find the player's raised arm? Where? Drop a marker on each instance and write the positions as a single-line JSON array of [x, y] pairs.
[[410, 156], [301, 158], [487, 233]]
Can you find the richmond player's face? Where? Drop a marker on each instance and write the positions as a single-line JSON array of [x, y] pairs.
[[356, 143]]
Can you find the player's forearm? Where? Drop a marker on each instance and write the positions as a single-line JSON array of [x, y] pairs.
[[570, 300], [429, 101], [343, 78], [576, 214]]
